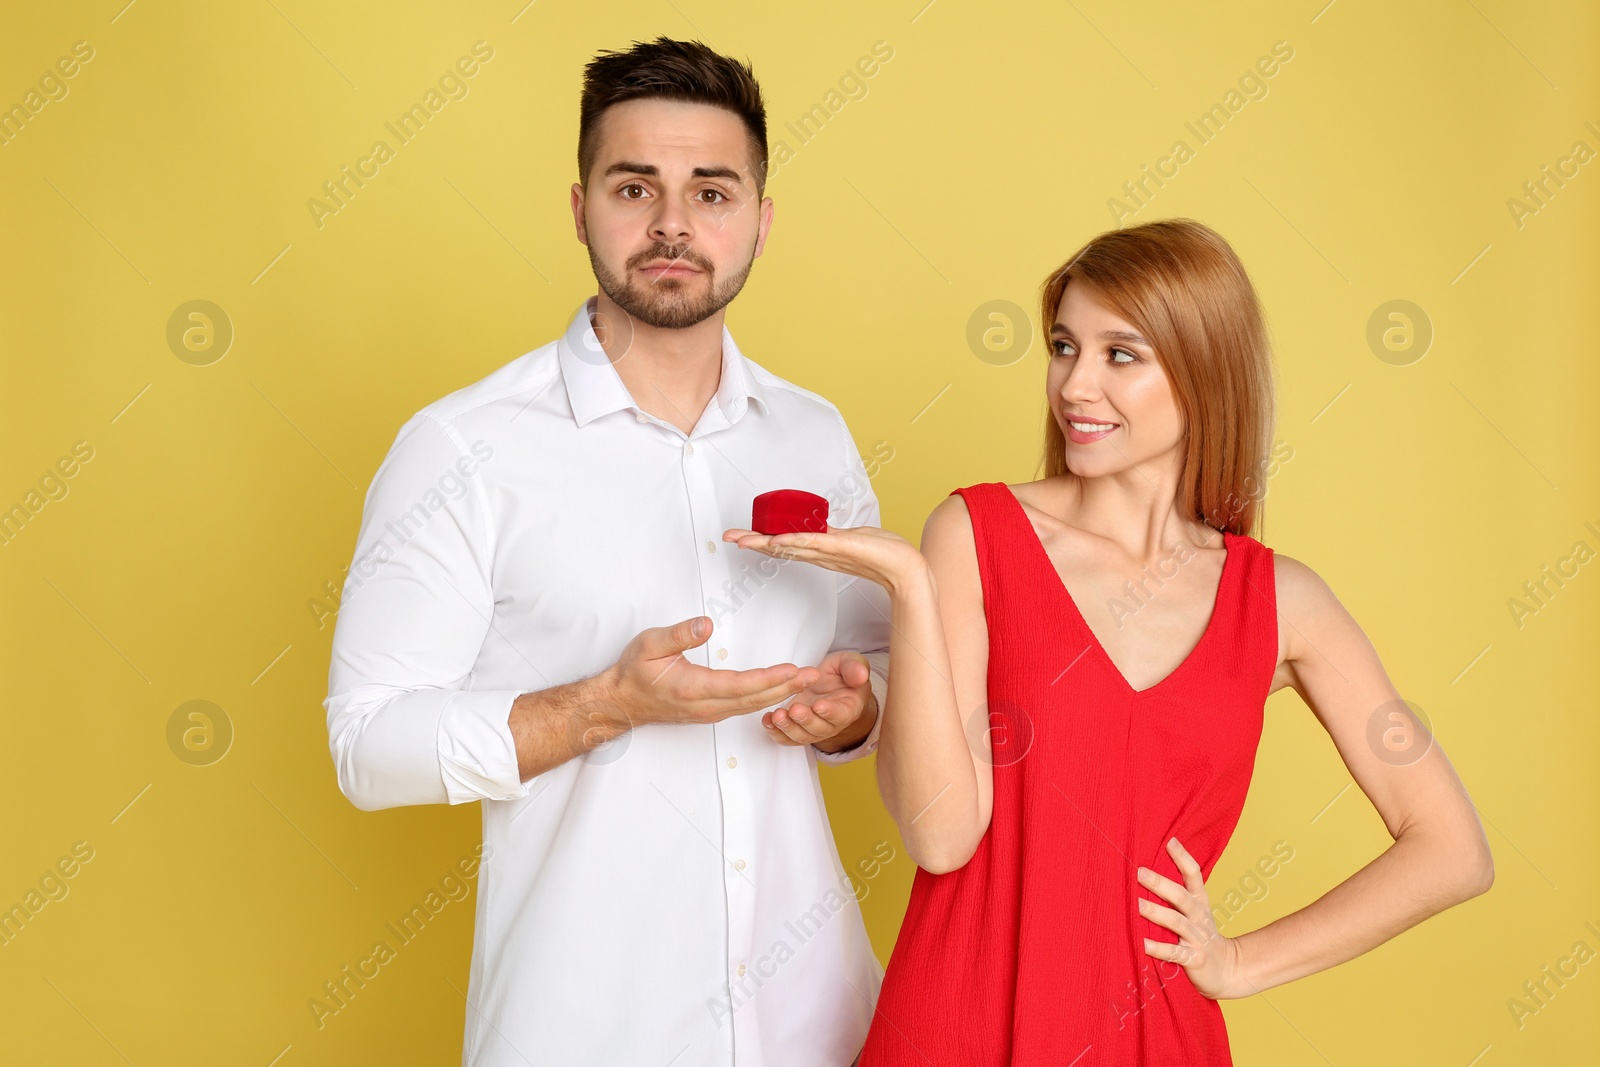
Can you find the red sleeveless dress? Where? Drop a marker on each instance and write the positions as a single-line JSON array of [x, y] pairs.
[[1032, 954]]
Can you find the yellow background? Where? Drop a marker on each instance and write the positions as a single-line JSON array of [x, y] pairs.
[[220, 498]]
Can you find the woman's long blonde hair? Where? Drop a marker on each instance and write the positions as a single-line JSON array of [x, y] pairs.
[[1181, 286]]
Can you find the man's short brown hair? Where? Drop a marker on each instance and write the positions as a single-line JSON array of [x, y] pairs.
[[665, 69]]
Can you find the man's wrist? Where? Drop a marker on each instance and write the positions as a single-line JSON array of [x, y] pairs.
[[601, 699]]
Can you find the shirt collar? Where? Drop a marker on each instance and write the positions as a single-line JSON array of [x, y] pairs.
[[595, 389]]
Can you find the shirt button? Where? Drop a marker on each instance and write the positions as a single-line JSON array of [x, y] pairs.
[[642, 417], [733, 761], [738, 865], [741, 970], [722, 653], [711, 546], [689, 447]]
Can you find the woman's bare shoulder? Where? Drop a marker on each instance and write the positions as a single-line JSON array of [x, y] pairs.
[[1316, 616], [950, 522], [1300, 590], [949, 525], [950, 546]]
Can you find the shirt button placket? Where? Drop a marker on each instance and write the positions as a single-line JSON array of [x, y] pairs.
[[738, 875]]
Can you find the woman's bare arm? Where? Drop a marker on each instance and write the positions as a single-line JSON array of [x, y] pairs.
[[1439, 857], [933, 772]]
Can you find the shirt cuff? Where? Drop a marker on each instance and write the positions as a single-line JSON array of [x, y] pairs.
[[477, 754], [878, 677]]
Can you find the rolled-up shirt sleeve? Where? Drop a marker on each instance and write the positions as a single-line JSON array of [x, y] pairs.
[[863, 617], [405, 724]]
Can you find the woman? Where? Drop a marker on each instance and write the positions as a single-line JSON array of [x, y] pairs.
[[1079, 666]]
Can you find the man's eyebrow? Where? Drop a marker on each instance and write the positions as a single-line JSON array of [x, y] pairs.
[[1106, 335], [651, 170]]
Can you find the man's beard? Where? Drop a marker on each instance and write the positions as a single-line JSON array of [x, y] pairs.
[[665, 303]]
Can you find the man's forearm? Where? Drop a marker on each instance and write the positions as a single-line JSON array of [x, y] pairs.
[[551, 726]]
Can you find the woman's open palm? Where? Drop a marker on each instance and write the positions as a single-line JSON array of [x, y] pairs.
[[864, 551]]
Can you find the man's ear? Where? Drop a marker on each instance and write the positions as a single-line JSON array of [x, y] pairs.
[[577, 213], [764, 226]]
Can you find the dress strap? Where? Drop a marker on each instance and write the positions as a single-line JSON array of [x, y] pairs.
[[989, 532], [1010, 590]]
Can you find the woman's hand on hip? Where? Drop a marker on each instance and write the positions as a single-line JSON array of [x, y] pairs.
[[1213, 963]]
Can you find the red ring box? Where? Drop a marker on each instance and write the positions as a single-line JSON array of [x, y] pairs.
[[784, 511]]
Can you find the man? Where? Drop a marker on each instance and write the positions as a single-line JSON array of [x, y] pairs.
[[543, 616]]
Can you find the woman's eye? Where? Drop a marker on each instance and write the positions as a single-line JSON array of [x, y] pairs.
[[1065, 348]]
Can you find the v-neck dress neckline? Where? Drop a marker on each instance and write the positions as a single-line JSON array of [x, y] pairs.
[[1219, 602]]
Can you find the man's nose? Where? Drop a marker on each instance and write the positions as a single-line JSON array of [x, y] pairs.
[[670, 222]]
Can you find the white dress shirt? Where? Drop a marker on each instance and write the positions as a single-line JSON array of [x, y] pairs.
[[673, 897]]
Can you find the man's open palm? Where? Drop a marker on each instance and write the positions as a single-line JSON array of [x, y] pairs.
[[829, 706]]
